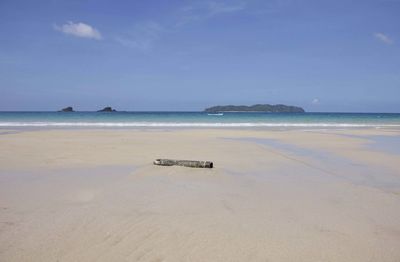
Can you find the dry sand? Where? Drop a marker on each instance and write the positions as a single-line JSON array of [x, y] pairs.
[[94, 195]]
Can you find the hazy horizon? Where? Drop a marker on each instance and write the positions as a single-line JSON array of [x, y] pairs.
[[324, 56], [76, 110]]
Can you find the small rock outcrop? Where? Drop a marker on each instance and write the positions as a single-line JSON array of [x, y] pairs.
[[107, 109], [67, 109]]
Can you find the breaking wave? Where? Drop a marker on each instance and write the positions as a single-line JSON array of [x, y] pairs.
[[192, 124]]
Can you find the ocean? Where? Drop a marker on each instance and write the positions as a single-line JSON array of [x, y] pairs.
[[197, 119]]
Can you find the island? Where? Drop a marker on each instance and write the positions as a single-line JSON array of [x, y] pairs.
[[256, 108], [107, 109], [67, 109]]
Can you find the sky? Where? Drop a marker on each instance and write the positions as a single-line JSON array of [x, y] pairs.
[[155, 55]]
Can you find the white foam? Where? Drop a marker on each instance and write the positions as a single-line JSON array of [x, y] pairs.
[[192, 124]]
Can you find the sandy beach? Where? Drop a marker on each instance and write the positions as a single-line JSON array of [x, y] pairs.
[[274, 195]]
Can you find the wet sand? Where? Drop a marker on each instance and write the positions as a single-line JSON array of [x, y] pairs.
[[94, 195]]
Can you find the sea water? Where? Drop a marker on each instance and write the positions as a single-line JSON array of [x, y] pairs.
[[196, 119]]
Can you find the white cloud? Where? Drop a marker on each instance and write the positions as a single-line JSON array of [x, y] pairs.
[[79, 30], [142, 37], [384, 38], [215, 8], [315, 101], [206, 10]]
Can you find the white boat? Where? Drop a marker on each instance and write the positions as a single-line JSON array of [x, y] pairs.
[[216, 114]]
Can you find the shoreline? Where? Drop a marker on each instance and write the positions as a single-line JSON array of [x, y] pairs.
[[193, 125]]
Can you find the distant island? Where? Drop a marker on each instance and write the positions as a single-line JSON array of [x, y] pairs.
[[256, 108], [107, 109], [67, 109]]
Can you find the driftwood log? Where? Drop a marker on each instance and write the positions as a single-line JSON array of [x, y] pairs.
[[187, 163]]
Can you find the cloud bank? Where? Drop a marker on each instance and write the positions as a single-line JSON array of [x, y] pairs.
[[79, 30]]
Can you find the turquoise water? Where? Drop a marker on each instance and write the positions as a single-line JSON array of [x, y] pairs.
[[196, 119]]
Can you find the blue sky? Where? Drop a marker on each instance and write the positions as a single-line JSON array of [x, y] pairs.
[[187, 55]]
